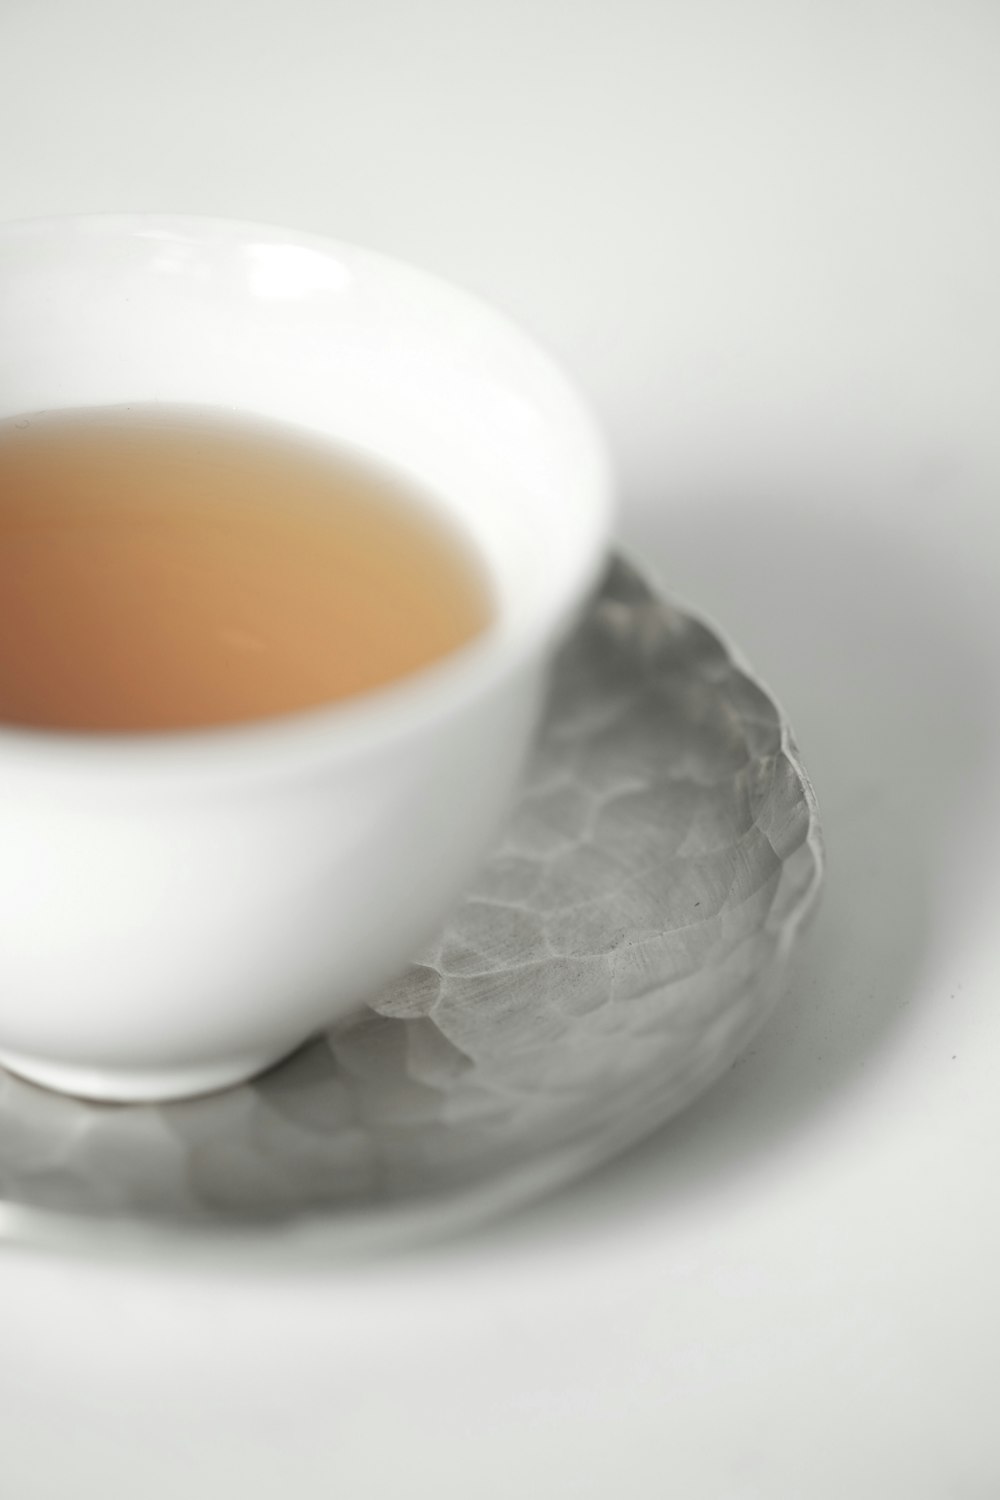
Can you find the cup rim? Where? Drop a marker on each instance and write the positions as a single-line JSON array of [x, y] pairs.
[[388, 714]]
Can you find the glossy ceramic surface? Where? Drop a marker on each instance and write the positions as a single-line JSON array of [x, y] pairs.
[[181, 910]]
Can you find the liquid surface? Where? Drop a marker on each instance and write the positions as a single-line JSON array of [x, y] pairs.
[[171, 569]]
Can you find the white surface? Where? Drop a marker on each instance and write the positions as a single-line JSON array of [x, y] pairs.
[[764, 237], [218, 895]]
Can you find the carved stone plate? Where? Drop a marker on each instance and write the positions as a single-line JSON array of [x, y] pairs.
[[611, 960]]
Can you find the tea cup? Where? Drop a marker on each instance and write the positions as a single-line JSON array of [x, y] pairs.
[[180, 910]]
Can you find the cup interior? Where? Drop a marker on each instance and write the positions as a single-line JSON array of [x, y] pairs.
[[341, 342]]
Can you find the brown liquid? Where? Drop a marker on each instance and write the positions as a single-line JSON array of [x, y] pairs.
[[167, 569]]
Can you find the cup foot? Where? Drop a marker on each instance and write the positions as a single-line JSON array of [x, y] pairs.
[[140, 1086]]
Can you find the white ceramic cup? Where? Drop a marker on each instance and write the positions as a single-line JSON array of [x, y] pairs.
[[178, 911]]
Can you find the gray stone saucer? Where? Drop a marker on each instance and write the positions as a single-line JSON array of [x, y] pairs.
[[608, 963]]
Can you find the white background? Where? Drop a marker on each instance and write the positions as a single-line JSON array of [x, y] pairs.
[[765, 238]]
